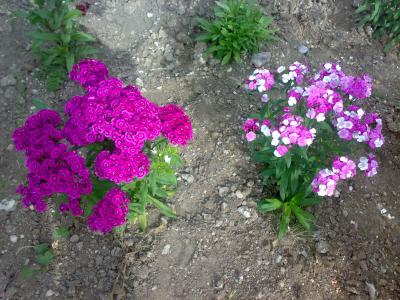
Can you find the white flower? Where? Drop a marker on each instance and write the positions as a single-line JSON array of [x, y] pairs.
[[320, 117], [167, 159], [264, 98], [285, 78], [378, 143], [328, 66], [322, 190], [292, 101], [261, 88], [275, 142], [275, 134], [265, 130], [286, 140], [281, 69]]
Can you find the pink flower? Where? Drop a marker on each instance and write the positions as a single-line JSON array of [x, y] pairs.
[[357, 87], [251, 136], [280, 151]]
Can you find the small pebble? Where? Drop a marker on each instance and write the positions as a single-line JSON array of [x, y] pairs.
[[166, 250], [13, 238], [49, 293], [302, 49], [322, 247]]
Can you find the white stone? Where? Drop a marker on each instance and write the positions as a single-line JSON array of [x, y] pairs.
[[8, 205], [13, 238], [166, 250]]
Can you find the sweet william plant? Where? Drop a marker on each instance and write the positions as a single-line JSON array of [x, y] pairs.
[[114, 153], [305, 141]]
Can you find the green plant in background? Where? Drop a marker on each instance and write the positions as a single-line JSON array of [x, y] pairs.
[[57, 41], [384, 17], [238, 27], [43, 257]]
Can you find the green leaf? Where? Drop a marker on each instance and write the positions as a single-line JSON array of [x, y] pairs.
[[305, 218], [310, 201], [167, 179], [60, 232], [80, 36], [288, 159], [69, 61], [72, 14], [41, 248], [45, 259], [283, 184], [44, 36], [39, 104], [27, 272], [203, 38], [294, 180], [143, 222], [269, 205], [39, 3], [164, 209], [227, 58], [285, 221]]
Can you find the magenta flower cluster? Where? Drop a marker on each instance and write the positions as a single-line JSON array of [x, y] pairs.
[[121, 114], [320, 101], [108, 112], [52, 168], [109, 212]]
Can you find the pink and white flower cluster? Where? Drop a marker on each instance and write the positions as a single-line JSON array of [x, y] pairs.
[[354, 124], [320, 101], [261, 80], [328, 96], [296, 74], [325, 182], [288, 133], [369, 165]]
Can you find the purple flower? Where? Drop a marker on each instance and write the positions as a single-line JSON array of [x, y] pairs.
[[344, 167], [357, 87], [369, 165]]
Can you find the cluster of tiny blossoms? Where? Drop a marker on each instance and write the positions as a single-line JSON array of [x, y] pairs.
[[110, 212], [52, 168], [328, 96], [111, 112], [121, 114], [325, 182], [354, 124]]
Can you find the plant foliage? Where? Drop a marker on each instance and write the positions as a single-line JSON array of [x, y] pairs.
[[238, 27], [384, 17], [58, 41]]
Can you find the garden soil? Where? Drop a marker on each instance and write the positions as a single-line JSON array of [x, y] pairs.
[[219, 246]]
